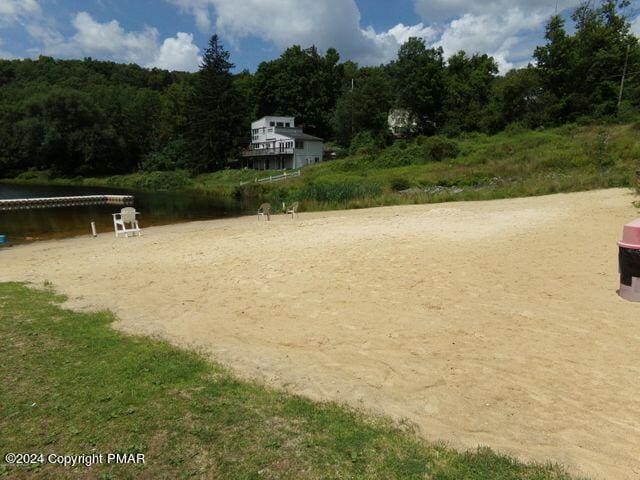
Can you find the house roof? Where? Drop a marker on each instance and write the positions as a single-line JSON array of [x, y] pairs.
[[297, 135]]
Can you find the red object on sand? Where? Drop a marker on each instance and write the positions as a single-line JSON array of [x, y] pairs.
[[631, 235], [629, 262]]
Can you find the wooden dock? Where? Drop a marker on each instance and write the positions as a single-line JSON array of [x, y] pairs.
[[55, 202]]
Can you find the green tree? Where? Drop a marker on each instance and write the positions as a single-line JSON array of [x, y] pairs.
[[419, 80], [469, 83], [582, 72], [302, 83], [364, 105], [517, 97], [64, 130], [217, 111], [170, 149]]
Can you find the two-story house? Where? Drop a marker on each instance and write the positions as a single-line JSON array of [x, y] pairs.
[[277, 144]]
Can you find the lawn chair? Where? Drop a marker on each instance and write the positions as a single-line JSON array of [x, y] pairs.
[[127, 216], [264, 211], [293, 209]]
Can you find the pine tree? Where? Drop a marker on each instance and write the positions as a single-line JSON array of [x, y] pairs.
[[217, 113]]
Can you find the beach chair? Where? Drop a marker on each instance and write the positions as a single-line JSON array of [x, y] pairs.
[[264, 211], [126, 217], [293, 209]]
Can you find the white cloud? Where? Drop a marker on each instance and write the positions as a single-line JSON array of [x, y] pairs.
[[110, 40], [198, 8], [496, 35], [95, 38], [12, 11], [403, 33], [328, 23], [501, 28], [447, 10], [178, 53], [635, 26], [504, 29]]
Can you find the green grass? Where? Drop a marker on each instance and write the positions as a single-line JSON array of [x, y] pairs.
[[514, 163], [73, 385], [510, 164]]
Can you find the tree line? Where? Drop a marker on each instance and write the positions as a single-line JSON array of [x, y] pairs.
[[88, 117]]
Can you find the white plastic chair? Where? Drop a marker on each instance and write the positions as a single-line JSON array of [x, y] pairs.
[[293, 209], [264, 211], [127, 216]]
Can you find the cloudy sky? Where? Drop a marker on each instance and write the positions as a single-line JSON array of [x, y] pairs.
[[170, 33]]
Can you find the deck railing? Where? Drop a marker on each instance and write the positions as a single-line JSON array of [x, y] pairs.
[[259, 152]]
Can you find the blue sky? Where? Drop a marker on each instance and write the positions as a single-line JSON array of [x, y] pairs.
[[170, 33]]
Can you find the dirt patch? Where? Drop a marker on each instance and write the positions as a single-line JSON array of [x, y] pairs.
[[493, 323]]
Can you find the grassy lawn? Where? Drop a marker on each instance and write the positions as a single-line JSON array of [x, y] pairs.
[[73, 385]]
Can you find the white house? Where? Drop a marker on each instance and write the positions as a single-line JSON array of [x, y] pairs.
[[277, 144]]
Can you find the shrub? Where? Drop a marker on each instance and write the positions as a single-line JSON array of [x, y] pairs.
[[250, 190], [400, 183], [439, 148], [34, 175], [399, 155], [515, 128], [364, 143]]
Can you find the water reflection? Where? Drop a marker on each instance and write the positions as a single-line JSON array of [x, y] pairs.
[[157, 208]]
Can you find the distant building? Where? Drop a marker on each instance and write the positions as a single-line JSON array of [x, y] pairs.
[[402, 122], [277, 144]]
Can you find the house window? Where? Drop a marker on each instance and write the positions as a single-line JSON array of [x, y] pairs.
[[272, 124], [280, 124], [299, 144], [288, 124], [317, 159]]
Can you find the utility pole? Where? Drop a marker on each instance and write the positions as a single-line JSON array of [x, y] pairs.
[[624, 74], [352, 85]]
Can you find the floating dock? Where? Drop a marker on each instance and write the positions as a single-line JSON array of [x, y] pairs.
[[55, 202]]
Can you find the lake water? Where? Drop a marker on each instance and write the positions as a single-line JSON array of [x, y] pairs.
[[156, 208]]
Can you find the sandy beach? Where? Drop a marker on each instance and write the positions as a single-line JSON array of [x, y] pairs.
[[483, 323]]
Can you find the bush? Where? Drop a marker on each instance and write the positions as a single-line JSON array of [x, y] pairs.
[[365, 143], [32, 174], [250, 191], [516, 128], [439, 148], [400, 183], [399, 155]]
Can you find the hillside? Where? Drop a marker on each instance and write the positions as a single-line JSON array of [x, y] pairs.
[[513, 163]]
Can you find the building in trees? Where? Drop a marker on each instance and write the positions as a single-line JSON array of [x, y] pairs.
[[402, 123], [277, 144]]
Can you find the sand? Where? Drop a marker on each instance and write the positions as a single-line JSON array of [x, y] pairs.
[[483, 323]]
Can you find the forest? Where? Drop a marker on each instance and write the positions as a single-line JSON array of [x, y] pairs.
[[96, 118]]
